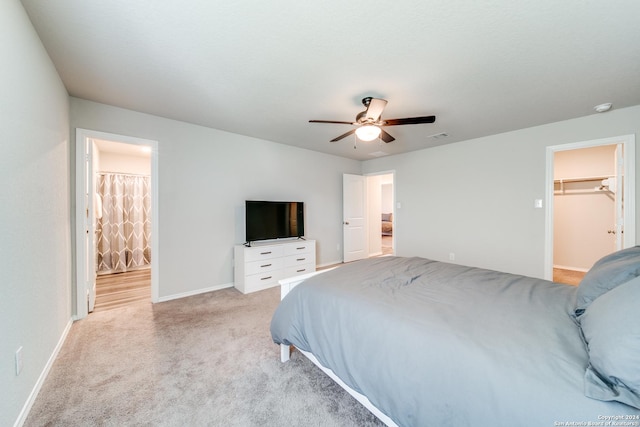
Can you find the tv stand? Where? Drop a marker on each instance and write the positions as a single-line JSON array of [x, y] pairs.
[[260, 266]]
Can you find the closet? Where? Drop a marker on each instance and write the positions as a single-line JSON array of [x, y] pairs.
[[585, 190]]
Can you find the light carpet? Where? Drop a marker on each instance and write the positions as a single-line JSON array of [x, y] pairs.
[[206, 360]]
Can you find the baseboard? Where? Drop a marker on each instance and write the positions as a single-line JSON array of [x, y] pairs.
[[22, 417], [196, 292], [328, 264]]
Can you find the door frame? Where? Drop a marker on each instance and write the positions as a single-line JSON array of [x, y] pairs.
[[629, 192], [83, 135]]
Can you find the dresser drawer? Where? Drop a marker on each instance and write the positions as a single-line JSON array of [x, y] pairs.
[[301, 247], [257, 253], [298, 270], [257, 282], [263, 266], [298, 259]]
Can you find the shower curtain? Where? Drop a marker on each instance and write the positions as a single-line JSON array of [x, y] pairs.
[[124, 229]]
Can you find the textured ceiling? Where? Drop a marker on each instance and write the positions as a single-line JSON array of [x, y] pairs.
[[264, 68]]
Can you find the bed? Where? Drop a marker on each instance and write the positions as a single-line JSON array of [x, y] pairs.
[[427, 343]]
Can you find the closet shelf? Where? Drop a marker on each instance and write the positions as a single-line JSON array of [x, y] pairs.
[[604, 185], [582, 179]]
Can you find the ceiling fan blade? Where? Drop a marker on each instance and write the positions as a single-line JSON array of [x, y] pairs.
[[385, 136], [375, 108], [331, 121], [410, 121], [344, 135]]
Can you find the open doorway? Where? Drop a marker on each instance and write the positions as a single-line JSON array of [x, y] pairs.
[[380, 214], [99, 157], [584, 213], [590, 204], [123, 224]]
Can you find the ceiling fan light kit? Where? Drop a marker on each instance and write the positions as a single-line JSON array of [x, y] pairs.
[[370, 122], [368, 132]]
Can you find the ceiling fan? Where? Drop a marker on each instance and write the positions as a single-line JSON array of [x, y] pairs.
[[370, 122]]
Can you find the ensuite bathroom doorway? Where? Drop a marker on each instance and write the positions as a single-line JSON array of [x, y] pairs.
[[123, 224], [116, 221]]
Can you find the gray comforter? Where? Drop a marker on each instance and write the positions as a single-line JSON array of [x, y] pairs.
[[437, 344]]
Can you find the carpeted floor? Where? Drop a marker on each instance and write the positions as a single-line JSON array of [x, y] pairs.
[[206, 360]]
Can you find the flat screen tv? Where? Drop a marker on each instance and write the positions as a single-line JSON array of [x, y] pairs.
[[266, 220]]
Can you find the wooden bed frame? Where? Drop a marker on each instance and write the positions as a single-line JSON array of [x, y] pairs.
[[285, 352]]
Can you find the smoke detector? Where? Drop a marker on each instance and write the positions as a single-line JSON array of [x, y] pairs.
[[603, 108]]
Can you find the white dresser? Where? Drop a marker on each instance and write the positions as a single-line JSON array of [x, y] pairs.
[[261, 266]]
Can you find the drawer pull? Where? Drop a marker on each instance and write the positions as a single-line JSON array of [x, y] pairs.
[[303, 247], [265, 253], [266, 265], [266, 278], [301, 270], [300, 259]]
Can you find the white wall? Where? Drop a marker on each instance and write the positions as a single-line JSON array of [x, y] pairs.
[[387, 198], [35, 251], [124, 163], [475, 198], [205, 175]]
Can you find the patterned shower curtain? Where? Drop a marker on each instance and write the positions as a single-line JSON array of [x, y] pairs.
[[124, 230]]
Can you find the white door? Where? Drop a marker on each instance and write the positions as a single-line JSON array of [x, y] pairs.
[[619, 202], [89, 225], [354, 214]]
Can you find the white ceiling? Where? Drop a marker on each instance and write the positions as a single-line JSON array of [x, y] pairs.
[[264, 68]]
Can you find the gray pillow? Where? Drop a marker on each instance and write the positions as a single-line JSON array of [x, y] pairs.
[[611, 328], [610, 271]]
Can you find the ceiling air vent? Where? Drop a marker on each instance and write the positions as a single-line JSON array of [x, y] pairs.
[[439, 135], [378, 154]]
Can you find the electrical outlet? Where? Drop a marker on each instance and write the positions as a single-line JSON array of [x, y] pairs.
[[452, 256], [19, 360], [338, 247]]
